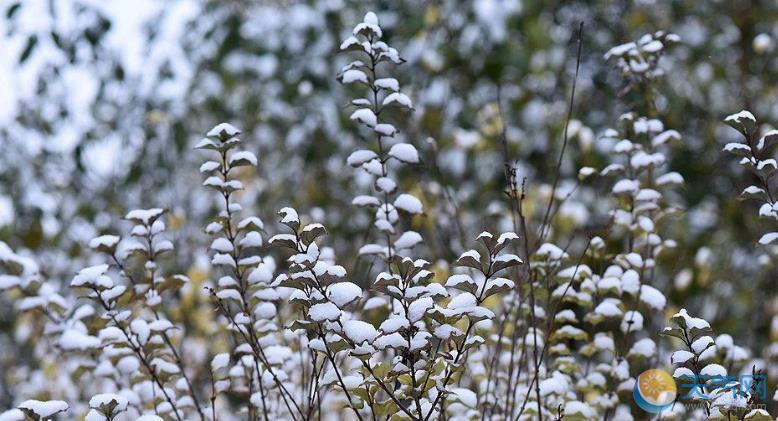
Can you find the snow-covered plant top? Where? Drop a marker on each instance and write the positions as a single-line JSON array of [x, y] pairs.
[[639, 60], [755, 152]]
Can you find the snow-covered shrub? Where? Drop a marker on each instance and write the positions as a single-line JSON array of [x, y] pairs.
[[535, 318]]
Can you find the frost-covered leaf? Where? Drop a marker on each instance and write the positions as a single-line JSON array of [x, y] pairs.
[[42, 409], [409, 203], [470, 258], [108, 404], [504, 261], [220, 361], [404, 152], [398, 98], [387, 83], [353, 76], [768, 238], [344, 293], [223, 131], [366, 201], [357, 158], [289, 217], [93, 276], [462, 282], [743, 121], [364, 116], [359, 331], [497, 285], [324, 312], [105, 243], [243, 158], [407, 240], [144, 216]]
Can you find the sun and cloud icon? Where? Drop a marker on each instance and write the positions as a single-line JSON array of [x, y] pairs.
[[655, 390]]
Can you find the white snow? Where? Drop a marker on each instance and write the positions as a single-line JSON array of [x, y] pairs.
[[364, 201], [359, 157], [620, 50], [398, 98], [104, 241], [550, 251], [405, 152], [141, 330], [92, 276], [768, 238], [349, 42], [653, 297], [671, 178], [632, 322], [242, 158], [653, 46], [374, 303], [692, 322], [408, 240], [44, 409], [713, 370], [144, 216], [222, 245], [209, 166], [220, 361], [665, 137], [392, 340], [365, 116], [409, 204], [385, 129], [359, 331], [344, 293], [418, 308], [251, 220], [394, 323], [370, 24], [604, 342], [580, 409], [106, 399], [681, 372], [353, 75], [387, 83], [644, 347], [724, 342], [558, 384], [227, 128], [462, 301], [608, 308], [457, 280], [508, 259], [470, 255], [740, 117], [221, 259], [386, 184], [466, 396], [12, 415], [289, 216], [75, 340], [626, 186], [701, 344], [324, 312], [251, 239]]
